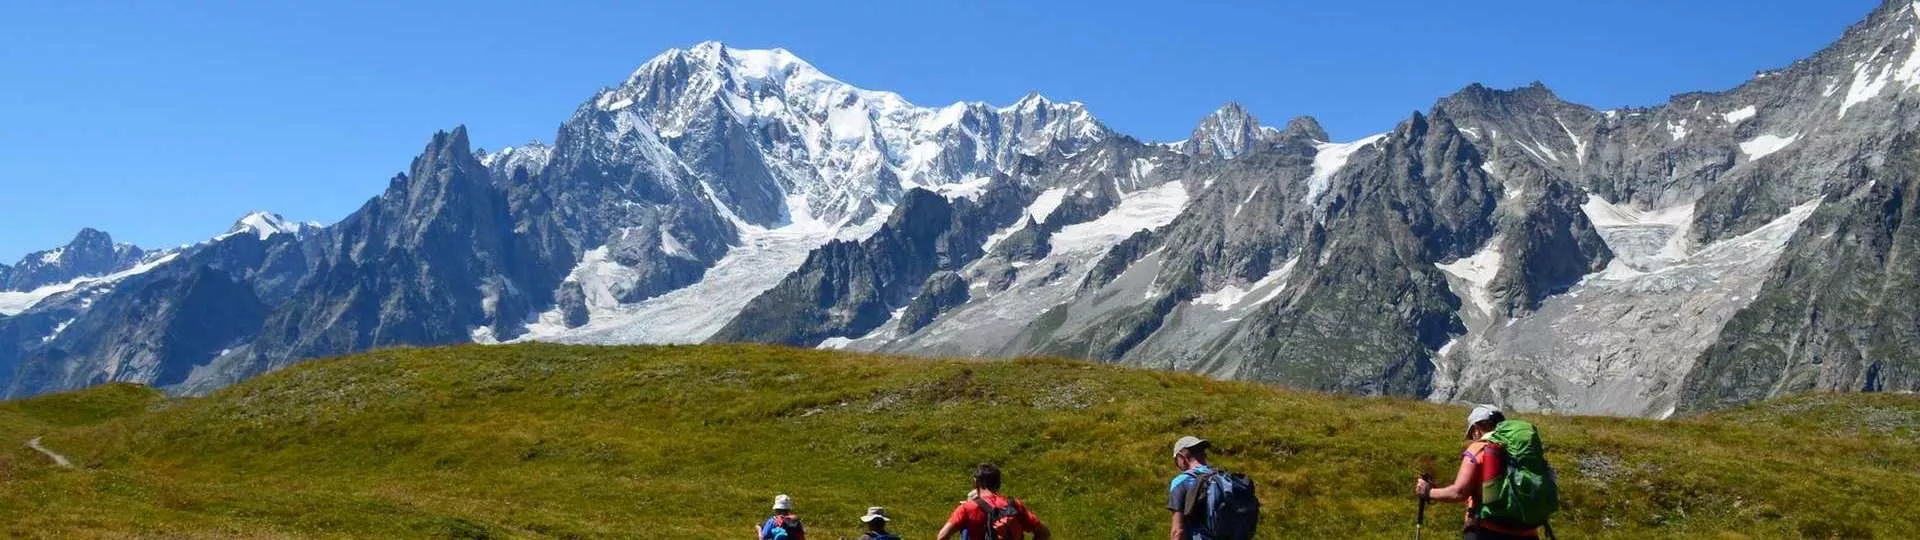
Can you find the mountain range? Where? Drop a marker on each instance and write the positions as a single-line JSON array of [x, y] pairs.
[[1502, 246]]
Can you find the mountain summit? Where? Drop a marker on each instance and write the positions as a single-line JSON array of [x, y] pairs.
[[1503, 246]]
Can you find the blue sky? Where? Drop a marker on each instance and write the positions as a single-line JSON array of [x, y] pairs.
[[162, 124]]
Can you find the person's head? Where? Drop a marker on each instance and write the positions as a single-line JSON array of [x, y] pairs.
[[987, 477], [1482, 420], [876, 518], [782, 504], [1190, 451]]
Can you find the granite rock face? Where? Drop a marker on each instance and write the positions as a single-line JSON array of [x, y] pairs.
[[1500, 246]]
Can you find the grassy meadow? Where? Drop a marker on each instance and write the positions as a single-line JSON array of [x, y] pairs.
[[693, 442]]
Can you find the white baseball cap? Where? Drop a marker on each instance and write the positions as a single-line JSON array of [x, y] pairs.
[[1482, 413], [782, 502], [1190, 442]]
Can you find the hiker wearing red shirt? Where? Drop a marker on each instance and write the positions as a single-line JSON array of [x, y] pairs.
[[988, 515]]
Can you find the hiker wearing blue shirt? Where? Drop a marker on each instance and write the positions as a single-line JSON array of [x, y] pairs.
[[1190, 456], [1209, 504], [783, 525]]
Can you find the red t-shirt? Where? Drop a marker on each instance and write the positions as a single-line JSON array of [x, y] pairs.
[[972, 519]]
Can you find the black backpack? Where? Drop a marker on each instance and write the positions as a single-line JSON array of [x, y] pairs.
[[1233, 511], [996, 517]]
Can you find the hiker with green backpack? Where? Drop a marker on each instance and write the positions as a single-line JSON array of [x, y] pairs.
[[1208, 504], [1504, 478]]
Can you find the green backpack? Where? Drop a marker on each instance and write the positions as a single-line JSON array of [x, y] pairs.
[[1524, 494]]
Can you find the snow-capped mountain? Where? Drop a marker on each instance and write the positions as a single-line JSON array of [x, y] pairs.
[[91, 253], [1503, 246], [790, 158], [840, 149], [266, 224]]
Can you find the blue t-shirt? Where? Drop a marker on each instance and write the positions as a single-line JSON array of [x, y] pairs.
[[1177, 489]]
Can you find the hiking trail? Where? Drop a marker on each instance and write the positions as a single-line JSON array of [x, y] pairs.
[[55, 456]]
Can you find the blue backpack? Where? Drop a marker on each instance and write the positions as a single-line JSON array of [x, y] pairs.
[[1233, 511], [785, 527]]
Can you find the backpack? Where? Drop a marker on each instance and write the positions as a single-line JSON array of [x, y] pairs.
[[1524, 495], [998, 518], [1233, 511], [786, 527], [870, 535]]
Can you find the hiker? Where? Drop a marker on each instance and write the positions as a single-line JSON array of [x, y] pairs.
[[1208, 504], [988, 515], [876, 520], [1504, 479], [784, 525]]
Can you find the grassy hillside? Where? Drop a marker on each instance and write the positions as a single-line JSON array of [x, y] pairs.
[[692, 442]]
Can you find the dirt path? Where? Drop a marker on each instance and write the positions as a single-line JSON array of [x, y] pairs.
[[57, 458]]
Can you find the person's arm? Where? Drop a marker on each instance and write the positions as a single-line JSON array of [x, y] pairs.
[[1464, 484], [1040, 531], [955, 523], [1176, 503]]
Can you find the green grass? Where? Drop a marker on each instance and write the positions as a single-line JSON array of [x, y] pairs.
[[693, 442]]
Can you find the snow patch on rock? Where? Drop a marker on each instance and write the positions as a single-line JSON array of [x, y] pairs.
[[1045, 204], [1741, 115], [1477, 272], [1759, 147], [1232, 296], [1330, 158], [1146, 209]]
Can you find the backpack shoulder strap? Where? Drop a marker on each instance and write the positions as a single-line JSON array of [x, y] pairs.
[[1201, 481], [985, 508]]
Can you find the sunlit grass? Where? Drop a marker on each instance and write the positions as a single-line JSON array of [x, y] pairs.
[[693, 442]]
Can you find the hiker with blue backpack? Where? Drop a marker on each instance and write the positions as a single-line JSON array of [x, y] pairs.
[[1208, 504], [784, 525], [1504, 479]]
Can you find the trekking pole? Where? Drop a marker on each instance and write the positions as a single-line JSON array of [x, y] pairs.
[[1420, 522]]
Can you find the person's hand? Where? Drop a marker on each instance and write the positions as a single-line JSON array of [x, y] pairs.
[[1421, 486]]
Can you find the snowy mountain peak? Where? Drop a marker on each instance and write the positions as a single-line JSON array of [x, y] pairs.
[[1304, 127], [91, 252], [264, 225], [1033, 101], [527, 158], [835, 148], [757, 64], [1227, 133]]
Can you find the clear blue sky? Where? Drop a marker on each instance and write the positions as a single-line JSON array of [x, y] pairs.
[[161, 125]]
